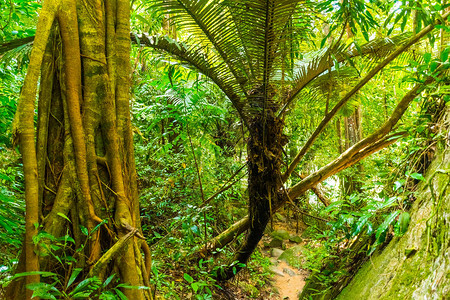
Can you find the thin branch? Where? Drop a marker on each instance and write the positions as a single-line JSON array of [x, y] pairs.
[[297, 208], [196, 164], [101, 264], [224, 187]]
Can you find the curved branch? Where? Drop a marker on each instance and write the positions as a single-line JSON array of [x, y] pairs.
[[363, 148]]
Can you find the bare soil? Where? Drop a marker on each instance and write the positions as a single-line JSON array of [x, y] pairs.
[[287, 281]]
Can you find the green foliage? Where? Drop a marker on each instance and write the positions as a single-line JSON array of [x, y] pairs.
[[18, 18], [201, 287], [11, 217], [185, 125], [374, 216], [89, 288], [354, 12], [11, 79], [76, 285]]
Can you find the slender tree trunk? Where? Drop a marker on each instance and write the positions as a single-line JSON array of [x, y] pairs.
[[353, 134]]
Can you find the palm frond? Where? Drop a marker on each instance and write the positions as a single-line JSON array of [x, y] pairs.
[[380, 47], [263, 27], [13, 44], [17, 51], [196, 56], [328, 84], [211, 24], [334, 79], [244, 36]]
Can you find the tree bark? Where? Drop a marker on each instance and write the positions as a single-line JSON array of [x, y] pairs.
[[264, 150], [82, 177]]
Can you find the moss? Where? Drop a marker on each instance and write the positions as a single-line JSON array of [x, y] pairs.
[[410, 265], [249, 289]]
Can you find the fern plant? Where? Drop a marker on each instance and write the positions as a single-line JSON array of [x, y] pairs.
[[250, 49]]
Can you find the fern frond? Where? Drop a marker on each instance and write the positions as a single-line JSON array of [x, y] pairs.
[[13, 44], [16, 50], [212, 26], [243, 36]]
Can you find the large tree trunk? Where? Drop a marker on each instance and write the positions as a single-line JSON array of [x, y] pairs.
[[84, 162], [264, 151]]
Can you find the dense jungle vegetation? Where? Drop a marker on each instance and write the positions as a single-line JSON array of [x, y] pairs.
[[253, 149]]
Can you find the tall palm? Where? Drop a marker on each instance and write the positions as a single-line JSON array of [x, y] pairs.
[[243, 47]]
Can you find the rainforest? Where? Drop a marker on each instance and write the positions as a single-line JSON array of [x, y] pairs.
[[224, 149]]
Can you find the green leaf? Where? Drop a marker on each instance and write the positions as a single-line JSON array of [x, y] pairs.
[[398, 184], [73, 276], [444, 54], [358, 226], [427, 58], [5, 177], [382, 229], [44, 290], [135, 287], [84, 230], [403, 222], [41, 273], [108, 280], [195, 286], [82, 295], [64, 216], [417, 176], [120, 294], [87, 284], [188, 278], [433, 66], [108, 295], [105, 221]]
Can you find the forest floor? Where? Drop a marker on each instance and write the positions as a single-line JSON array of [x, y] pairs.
[[283, 246], [286, 258], [288, 281]]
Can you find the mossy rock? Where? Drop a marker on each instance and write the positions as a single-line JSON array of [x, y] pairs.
[[276, 243], [280, 234], [276, 252], [293, 256], [295, 239]]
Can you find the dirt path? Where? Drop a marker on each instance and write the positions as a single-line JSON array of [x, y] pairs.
[[289, 281]]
